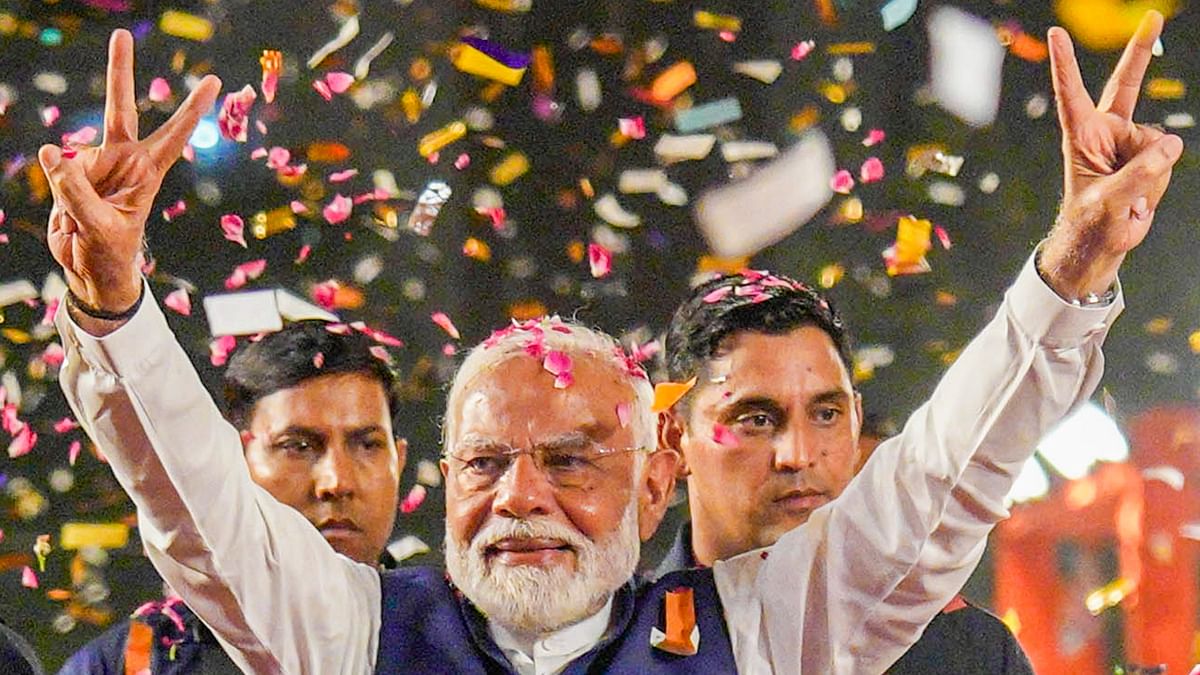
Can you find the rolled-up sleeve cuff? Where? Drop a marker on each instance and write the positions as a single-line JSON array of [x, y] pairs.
[[1039, 311]]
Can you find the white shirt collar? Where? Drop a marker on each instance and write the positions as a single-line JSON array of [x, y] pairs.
[[548, 654]]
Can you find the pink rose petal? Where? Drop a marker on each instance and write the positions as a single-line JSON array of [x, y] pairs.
[[298, 207], [50, 115], [874, 137], [943, 236], [160, 90], [51, 312], [342, 176], [338, 210], [462, 161], [623, 414], [278, 158], [323, 89], [842, 182], [722, 435], [600, 260], [632, 127], [73, 452], [381, 353], [234, 228], [413, 499], [261, 126], [189, 153], [64, 425], [872, 170], [28, 578], [446, 324], [318, 360], [245, 272], [305, 250], [338, 81], [54, 355], [802, 49], [174, 211], [558, 363], [22, 444], [717, 295], [179, 301], [220, 349], [233, 120], [270, 84], [83, 136], [9, 420], [258, 153], [325, 293]]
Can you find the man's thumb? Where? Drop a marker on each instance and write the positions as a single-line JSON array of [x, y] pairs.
[[71, 187]]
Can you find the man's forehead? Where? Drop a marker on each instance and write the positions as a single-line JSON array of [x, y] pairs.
[[803, 360]]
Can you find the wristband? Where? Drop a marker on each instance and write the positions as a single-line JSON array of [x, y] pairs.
[[97, 313]]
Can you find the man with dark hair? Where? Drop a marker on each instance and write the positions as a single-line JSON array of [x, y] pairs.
[[315, 408], [773, 367]]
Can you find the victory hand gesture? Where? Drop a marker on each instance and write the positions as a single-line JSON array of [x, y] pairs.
[[103, 195], [1115, 171]]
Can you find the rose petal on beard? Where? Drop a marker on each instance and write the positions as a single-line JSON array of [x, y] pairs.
[[446, 324]]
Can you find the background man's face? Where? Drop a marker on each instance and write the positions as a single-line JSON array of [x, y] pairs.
[[325, 447], [793, 414]]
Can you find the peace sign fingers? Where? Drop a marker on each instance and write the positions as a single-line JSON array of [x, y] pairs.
[[120, 107], [1074, 104]]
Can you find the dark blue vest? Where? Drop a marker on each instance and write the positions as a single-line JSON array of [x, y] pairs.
[[429, 627]]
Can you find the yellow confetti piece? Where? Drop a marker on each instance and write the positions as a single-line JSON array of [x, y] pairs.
[[851, 210], [473, 61], [74, 536], [15, 336], [830, 275], [1161, 88], [713, 21], [805, 119], [850, 48], [1106, 25], [714, 264], [1158, 325], [436, 140], [667, 394], [187, 26], [509, 6], [269, 223], [410, 103], [1109, 595], [477, 250], [835, 93], [1013, 621], [575, 251], [512, 167], [526, 310]]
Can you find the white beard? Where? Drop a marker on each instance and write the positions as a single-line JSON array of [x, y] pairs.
[[541, 600]]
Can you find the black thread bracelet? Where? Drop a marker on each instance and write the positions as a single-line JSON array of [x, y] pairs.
[[97, 313]]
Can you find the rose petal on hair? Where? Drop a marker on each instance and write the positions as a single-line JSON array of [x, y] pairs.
[[557, 362], [381, 353], [717, 294], [160, 90], [318, 360], [298, 207], [600, 260], [413, 499], [667, 394], [722, 435], [943, 236], [28, 577], [446, 324], [179, 301]]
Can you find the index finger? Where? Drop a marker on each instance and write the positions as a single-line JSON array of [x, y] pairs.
[[120, 109], [1121, 93], [166, 143], [1074, 103]]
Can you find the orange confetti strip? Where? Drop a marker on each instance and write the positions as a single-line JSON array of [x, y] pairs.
[[328, 152], [1029, 48], [673, 81], [667, 394], [543, 69], [526, 310], [679, 635], [850, 48]]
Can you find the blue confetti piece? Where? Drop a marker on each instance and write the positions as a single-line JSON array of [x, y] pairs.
[[896, 13], [714, 113]]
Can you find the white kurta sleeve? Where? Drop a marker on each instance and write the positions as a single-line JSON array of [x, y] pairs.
[[850, 590], [274, 592]]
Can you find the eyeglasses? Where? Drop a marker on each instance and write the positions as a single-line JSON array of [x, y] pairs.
[[573, 464]]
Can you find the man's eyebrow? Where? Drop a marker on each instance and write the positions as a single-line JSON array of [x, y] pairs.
[[365, 431], [755, 402], [830, 396]]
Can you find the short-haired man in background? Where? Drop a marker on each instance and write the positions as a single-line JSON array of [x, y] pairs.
[[315, 408]]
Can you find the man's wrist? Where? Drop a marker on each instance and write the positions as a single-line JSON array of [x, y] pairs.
[[122, 315], [1080, 277]]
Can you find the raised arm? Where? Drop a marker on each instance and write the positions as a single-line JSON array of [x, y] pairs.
[[855, 586], [254, 570]]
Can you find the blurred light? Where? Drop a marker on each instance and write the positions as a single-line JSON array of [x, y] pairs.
[[206, 135], [51, 37], [1032, 483], [1086, 437]]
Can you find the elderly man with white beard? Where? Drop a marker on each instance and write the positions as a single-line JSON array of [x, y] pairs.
[[551, 468]]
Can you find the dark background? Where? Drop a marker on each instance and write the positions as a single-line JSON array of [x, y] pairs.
[[547, 210]]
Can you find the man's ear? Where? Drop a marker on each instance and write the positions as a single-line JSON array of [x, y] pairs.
[[670, 435], [401, 455], [656, 490]]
